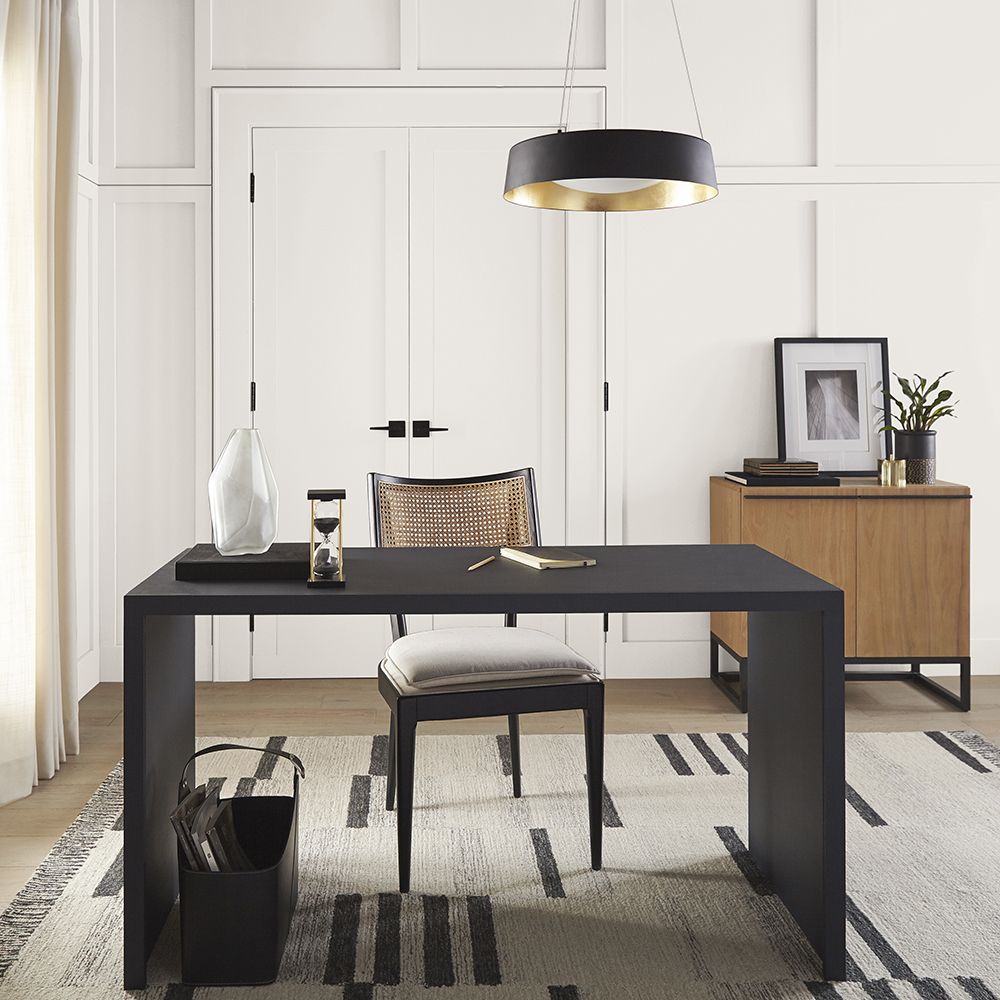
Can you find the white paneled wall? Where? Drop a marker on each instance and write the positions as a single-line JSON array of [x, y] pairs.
[[518, 34], [860, 170], [154, 293], [327, 34], [914, 87], [87, 454]]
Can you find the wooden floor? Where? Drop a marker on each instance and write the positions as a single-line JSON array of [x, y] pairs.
[[30, 826]]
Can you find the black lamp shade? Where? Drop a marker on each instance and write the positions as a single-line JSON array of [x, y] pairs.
[[586, 170]]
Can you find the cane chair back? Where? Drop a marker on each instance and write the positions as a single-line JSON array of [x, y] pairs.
[[491, 510], [500, 509]]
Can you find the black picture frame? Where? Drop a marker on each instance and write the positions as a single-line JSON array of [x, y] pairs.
[[830, 403]]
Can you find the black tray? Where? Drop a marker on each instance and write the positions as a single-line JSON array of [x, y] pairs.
[[282, 561]]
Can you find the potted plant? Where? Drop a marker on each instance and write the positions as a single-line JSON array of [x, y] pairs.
[[913, 438]]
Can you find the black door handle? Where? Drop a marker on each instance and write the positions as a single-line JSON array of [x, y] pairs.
[[422, 428], [396, 428]]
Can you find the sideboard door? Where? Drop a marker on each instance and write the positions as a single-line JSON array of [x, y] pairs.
[[816, 533], [913, 576]]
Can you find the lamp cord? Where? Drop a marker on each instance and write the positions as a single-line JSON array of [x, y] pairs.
[[570, 71], [687, 69]]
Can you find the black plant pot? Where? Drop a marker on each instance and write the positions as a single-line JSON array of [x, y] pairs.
[[919, 450]]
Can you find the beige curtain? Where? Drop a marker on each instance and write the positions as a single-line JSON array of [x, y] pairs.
[[39, 127]]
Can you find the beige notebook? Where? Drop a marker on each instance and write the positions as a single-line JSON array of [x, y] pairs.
[[546, 558]]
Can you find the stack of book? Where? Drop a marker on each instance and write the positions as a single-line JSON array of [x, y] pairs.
[[205, 830], [775, 472], [774, 467]]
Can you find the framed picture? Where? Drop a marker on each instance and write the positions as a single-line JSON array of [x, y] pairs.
[[830, 402]]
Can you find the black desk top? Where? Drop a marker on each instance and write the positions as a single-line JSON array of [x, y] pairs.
[[634, 578]]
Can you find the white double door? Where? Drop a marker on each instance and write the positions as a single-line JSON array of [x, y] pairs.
[[392, 283]]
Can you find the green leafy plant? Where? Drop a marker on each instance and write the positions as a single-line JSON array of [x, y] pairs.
[[919, 411]]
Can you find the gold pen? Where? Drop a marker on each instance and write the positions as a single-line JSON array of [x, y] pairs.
[[488, 559]]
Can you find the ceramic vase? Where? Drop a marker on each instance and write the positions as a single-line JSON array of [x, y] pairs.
[[243, 496]]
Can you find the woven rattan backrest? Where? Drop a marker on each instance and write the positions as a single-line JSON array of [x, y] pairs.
[[488, 512]]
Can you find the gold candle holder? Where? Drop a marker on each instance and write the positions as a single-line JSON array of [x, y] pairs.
[[892, 472]]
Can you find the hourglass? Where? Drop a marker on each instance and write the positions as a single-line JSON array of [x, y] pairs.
[[326, 557]]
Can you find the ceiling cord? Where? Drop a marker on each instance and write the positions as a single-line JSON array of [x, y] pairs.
[[570, 71], [680, 39]]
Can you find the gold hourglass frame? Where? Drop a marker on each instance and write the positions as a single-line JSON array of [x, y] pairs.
[[318, 496]]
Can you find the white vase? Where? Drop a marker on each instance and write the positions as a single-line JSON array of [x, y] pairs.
[[243, 496]]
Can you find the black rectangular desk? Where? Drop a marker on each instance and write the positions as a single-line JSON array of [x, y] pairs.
[[796, 718]]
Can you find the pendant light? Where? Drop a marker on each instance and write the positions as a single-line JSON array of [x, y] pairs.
[[610, 170]]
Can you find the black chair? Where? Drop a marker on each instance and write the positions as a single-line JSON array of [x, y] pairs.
[[463, 673]]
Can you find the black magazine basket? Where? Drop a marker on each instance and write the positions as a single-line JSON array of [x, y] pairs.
[[234, 924]]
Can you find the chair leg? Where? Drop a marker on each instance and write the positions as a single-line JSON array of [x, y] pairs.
[[406, 730], [390, 779], [515, 752], [593, 724]]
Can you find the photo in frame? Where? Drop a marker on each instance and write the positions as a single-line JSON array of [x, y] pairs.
[[830, 402]]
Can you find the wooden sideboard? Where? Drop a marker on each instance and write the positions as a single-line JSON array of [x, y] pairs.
[[900, 554]]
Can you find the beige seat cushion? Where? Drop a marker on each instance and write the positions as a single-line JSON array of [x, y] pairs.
[[452, 657]]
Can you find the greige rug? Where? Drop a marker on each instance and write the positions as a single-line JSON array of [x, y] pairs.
[[504, 905]]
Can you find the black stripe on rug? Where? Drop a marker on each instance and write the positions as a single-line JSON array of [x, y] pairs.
[[744, 861], [179, 991], [343, 949], [930, 989], [485, 959], [976, 988], [215, 785], [439, 970], [854, 972], [111, 883], [387, 937], [503, 750], [880, 947], [956, 751], [360, 801], [268, 761], [564, 993], [609, 814], [823, 991], [547, 866], [863, 809], [379, 764], [731, 744], [359, 991], [980, 744], [711, 758], [244, 788], [33, 903], [879, 989], [677, 761], [119, 824]]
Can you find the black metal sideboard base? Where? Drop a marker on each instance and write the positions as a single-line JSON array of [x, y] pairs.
[[733, 683]]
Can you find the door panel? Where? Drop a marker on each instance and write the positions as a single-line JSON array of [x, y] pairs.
[[487, 322], [330, 352]]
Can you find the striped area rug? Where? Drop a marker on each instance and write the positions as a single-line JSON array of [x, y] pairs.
[[504, 905]]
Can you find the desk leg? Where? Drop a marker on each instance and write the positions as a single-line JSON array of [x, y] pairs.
[[159, 738], [796, 781]]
